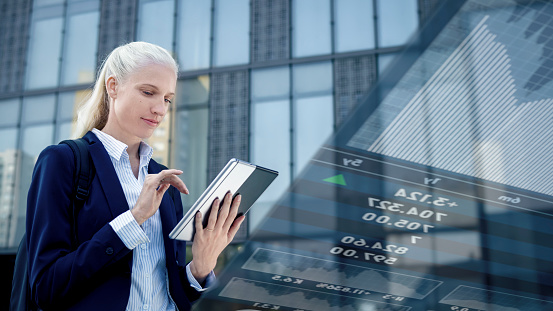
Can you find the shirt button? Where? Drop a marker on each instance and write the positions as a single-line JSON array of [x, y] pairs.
[[143, 246], [109, 250], [145, 307]]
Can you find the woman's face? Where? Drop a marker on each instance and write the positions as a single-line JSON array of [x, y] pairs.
[[139, 104]]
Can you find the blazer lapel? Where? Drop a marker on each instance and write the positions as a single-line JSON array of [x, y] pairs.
[[106, 175]]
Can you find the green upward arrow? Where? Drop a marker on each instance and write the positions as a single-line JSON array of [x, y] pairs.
[[338, 179]]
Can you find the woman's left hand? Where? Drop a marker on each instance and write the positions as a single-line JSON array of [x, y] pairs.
[[210, 241]]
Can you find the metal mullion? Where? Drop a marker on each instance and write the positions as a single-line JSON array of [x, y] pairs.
[[172, 108], [63, 39], [211, 38], [332, 26], [292, 123], [376, 38]]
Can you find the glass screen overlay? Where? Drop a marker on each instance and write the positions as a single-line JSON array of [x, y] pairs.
[[435, 195]]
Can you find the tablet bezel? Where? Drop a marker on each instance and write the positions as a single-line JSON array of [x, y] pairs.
[[185, 230]]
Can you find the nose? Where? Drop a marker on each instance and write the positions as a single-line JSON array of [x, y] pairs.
[[160, 107]]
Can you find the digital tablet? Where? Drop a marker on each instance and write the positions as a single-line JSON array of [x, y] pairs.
[[238, 177]]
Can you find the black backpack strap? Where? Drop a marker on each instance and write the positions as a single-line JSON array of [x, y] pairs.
[[82, 179]]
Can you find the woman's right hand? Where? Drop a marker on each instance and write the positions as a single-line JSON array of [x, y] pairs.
[[152, 192]]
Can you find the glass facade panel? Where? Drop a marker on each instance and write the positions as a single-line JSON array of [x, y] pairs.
[[313, 110], [42, 69], [39, 109], [190, 151], [67, 103], [63, 131], [231, 44], [313, 124], [270, 83], [397, 21], [384, 60], [80, 45], [354, 25], [311, 28], [312, 78], [270, 133], [34, 140], [192, 92], [10, 109], [9, 139], [270, 147], [156, 22], [159, 140], [194, 34], [42, 3], [8, 170]]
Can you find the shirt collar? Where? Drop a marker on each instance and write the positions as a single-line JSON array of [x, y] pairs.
[[117, 149]]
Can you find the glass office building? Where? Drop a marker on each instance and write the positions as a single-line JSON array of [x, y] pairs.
[[262, 80]]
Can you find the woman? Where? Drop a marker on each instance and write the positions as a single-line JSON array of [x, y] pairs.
[[124, 259]]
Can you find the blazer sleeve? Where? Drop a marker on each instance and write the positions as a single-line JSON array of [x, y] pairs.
[[57, 272]]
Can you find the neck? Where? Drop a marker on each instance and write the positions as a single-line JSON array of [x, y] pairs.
[[133, 143]]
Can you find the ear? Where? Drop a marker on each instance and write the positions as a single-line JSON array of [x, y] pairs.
[[111, 87]]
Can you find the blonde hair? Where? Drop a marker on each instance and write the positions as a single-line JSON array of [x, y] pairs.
[[120, 63]]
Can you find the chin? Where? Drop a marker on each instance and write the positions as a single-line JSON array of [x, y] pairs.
[[145, 134]]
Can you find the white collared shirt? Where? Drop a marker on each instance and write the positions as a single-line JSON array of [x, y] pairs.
[[149, 286]]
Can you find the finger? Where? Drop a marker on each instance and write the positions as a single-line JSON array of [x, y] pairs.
[[176, 182], [224, 211], [162, 188], [233, 212], [234, 228], [155, 179], [198, 224], [170, 171], [212, 221]]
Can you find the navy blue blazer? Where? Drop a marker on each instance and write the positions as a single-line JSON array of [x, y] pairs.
[[97, 275]]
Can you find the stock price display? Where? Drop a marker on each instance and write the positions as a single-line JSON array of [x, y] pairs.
[[436, 195]]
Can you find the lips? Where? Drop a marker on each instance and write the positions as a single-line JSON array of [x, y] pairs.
[[151, 122]]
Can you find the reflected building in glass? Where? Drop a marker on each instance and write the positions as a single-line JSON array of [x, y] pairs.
[[266, 81]]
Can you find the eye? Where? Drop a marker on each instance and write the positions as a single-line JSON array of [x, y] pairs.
[[148, 93], [167, 100]]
